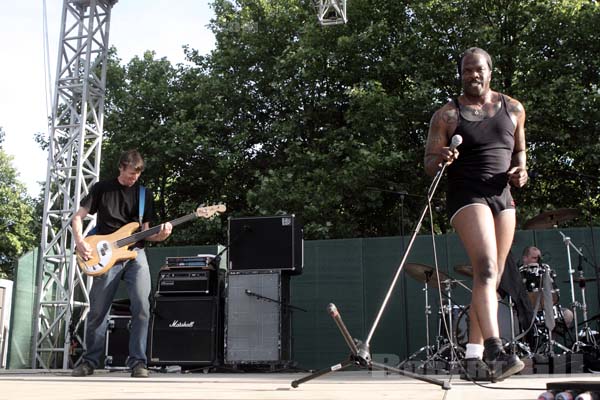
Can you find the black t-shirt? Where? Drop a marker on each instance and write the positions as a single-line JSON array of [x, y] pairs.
[[116, 205]]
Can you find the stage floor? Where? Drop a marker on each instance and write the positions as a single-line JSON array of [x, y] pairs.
[[59, 385]]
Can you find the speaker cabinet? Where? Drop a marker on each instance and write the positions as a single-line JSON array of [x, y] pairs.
[[117, 341], [265, 243], [257, 319], [185, 330]]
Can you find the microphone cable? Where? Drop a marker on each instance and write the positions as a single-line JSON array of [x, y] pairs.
[[446, 327]]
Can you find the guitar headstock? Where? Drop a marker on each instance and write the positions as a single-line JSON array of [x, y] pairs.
[[209, 211]]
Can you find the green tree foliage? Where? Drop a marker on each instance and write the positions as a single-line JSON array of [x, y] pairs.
[[329, 123], [16, 216]]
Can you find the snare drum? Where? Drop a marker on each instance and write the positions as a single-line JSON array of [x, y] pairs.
[[533, 279]]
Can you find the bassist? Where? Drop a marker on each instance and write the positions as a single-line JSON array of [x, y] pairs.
[[116, 203]]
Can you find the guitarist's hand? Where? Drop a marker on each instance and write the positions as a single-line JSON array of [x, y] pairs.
[[84, 250], [165, 231]]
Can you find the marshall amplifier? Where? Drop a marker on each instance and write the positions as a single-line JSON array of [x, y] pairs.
[[266, 243], [185, 330], [188, 281]]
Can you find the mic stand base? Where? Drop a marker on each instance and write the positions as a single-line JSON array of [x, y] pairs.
[[360, 356]]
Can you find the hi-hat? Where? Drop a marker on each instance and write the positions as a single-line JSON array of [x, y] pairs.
[[425, 273], [465, 270], [551, 218]]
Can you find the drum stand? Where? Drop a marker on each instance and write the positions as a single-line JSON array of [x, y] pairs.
[[551, 343], [586, 332]]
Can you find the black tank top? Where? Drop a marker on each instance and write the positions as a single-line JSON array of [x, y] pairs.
[[486, 151]]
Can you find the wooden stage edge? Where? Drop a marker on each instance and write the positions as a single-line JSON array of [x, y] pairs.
[[59, 385]]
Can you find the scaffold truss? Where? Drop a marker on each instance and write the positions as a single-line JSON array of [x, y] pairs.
[[74, 146]]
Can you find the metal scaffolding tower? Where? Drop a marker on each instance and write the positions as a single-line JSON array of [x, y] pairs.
[[73, 167], [331, 12]]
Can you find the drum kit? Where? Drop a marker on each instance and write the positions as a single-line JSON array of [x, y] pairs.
[[554, 328]]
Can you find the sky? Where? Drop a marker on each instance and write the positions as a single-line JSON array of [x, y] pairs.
[[135, 26]]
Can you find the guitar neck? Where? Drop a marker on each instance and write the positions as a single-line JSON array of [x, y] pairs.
[[136, 237]]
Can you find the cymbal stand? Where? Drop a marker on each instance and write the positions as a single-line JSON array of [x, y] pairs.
[[428, 349], [514, 343], [360, 351], [450, 339], [574, 303]]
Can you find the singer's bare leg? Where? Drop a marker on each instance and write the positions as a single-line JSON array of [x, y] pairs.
[[505, 224], [487, 240]]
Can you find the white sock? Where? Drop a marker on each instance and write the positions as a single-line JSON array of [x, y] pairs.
[[474, 350]]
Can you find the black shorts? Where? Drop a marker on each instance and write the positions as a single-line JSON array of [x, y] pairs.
[[497, 200]]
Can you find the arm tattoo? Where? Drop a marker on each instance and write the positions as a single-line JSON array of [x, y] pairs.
[[515, 107], [449, 117]]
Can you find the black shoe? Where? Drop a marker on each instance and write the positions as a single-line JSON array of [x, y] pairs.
[[139, 371], [474, 369], [504, 365], [83, 369]]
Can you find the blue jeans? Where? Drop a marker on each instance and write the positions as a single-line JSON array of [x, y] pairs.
[[136, 274]]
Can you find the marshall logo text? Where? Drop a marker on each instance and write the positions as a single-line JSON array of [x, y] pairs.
[[182, 324]]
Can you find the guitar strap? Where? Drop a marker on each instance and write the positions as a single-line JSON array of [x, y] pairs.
[[142, 203]]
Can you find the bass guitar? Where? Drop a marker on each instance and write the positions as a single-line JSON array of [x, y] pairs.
[[107, 250]]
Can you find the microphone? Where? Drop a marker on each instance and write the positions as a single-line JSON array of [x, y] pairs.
[[456, 141]]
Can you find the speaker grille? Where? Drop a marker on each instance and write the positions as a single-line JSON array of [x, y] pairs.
[[254, 323]]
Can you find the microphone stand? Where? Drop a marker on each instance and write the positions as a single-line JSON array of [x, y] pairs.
[[360, 353]]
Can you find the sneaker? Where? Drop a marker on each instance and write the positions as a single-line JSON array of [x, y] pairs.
[[504, 365], [474, 369], [83, 369], [139, 371]]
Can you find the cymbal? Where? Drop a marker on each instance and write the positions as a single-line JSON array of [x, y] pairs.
[[551, 218], [465, 270], [575, 280], [425, 273]]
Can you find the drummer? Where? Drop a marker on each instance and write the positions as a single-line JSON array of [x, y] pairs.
[[533, 255]]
